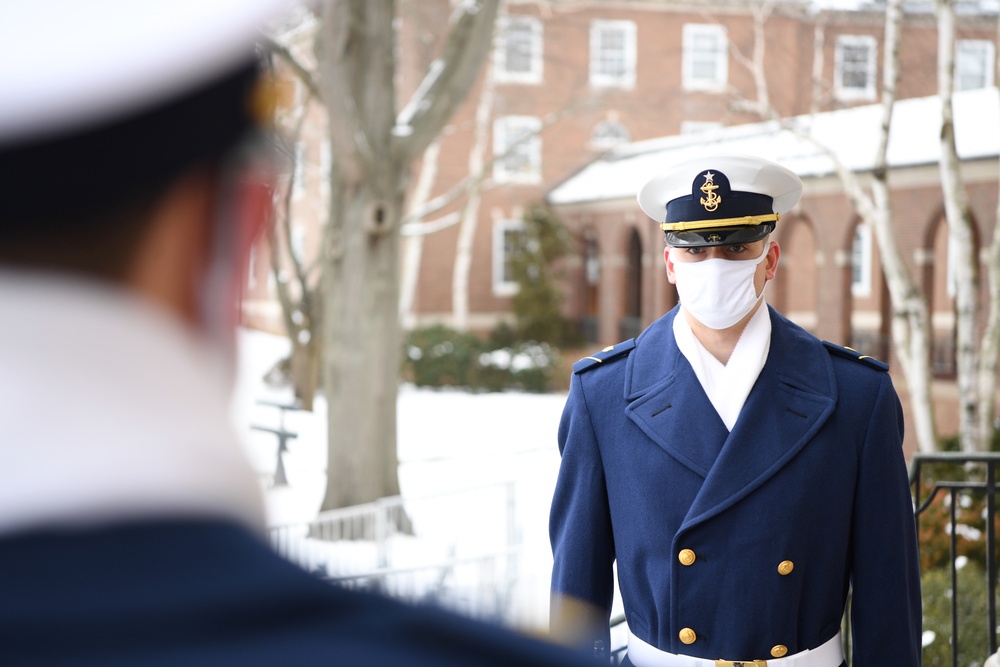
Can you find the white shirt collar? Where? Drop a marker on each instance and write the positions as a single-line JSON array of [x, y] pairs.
[[728, 385], [110, 410]]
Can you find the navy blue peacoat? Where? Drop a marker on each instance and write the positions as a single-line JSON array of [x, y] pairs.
[[200, 593], [746, 541]]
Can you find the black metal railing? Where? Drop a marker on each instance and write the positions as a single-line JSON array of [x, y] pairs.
[[955, 473], [282, 434]]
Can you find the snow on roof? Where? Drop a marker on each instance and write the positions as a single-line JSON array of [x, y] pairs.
[[852, 134]]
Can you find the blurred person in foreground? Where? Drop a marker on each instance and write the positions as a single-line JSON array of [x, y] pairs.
[[131, 526], [743, 474]]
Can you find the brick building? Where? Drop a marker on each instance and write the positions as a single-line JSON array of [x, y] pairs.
[[579, 77], [575, 79]]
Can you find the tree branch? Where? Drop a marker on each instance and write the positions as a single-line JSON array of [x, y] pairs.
[[301, 71], [448, 79]]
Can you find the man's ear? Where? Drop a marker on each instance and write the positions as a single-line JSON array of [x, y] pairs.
[[671, 276], [771, 263], [170, 259]]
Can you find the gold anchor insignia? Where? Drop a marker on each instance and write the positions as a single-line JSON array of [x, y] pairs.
[[714, 238], [713, 200]]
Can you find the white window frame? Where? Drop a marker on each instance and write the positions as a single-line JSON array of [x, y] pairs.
[[855, 94], [861, 261], [600, 78], [983, 52], [533, 27], [691, 56], [529, 149], [502, 286]]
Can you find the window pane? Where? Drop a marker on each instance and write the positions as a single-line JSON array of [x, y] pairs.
[[972, 60], [511, 246], [611, 54], [517, 42], [855, 66], [705, 57]]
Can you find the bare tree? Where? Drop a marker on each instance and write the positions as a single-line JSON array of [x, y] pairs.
[[470, 212], [960, 241], [374, 148], [910, 313], [990, 347], [413, 246], [356, 328]]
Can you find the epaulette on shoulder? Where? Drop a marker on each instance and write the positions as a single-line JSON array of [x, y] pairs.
[[854, 355], [610, 353]]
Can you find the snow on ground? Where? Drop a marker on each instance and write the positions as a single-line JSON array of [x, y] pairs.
[[463, 459]]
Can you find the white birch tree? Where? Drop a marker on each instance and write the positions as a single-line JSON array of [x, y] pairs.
[[911, 332], [990, 346], [960, 242], [373, 145]]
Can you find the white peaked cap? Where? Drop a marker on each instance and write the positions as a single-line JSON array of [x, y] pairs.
[[746, 174], [65, 64]]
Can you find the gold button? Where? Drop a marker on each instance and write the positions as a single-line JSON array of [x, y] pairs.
[[785, 567], [779, 651], [687, 636], [686, 557]]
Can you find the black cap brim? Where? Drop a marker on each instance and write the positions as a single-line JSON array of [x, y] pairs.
[[719, 236]]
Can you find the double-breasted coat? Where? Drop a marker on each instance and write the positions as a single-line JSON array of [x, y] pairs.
[[739, 545]]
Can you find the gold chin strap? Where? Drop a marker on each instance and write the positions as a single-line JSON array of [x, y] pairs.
[[745, 221]]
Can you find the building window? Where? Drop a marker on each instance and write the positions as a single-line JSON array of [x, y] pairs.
[[854, 67], [973, 64], [705, 63], [507, 238], [518, 150], [861, 262], [612, 54], [607, 134], [519, 50]]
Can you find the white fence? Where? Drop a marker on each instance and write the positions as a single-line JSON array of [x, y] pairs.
[[462, 550]]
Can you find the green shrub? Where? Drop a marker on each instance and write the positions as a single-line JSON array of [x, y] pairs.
[[441, 357], [437, 356], [973, 637], [537, 304]]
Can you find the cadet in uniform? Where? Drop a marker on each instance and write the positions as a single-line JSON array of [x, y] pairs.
[[131, 525], [743, 474]]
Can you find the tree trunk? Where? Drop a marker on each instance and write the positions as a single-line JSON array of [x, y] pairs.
[[361, 343], [413, 245], [989, 350], [960, 242], [911, 320], [470, 212]]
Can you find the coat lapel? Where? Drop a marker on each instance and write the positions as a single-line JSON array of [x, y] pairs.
[[668, 403], [793, 397]]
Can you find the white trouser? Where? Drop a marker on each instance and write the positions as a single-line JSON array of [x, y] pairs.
[[641, 654]]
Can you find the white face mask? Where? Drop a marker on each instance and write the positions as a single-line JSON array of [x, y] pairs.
[[718, 292]]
